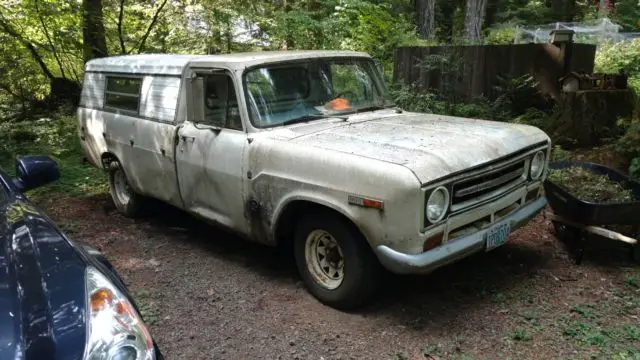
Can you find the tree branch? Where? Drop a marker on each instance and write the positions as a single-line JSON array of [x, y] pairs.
[[34, 53], [151, 25], [123, 50], [46, 34]]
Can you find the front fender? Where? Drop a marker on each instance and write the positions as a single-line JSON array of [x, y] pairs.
[[339, 205]]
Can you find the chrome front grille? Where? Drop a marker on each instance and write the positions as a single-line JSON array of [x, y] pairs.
[[488, 184]]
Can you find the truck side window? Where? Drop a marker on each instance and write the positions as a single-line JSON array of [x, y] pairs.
[[220, 102], [123, 93]]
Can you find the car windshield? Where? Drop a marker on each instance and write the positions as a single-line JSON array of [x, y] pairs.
[[282, 94]]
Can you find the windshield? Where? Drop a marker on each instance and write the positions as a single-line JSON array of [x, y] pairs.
[[282, 94]]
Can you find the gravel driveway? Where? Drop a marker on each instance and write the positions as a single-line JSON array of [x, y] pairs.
[[208, 294]]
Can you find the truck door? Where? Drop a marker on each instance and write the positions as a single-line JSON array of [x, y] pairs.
[[210, 148], [153, 140]]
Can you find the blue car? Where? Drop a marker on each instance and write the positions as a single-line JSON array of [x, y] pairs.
[[59, 299]]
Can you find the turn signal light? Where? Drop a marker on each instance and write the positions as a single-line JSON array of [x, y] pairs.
[[101, 299], [365, 202], [433, 242]]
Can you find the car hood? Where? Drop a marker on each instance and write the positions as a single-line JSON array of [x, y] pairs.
[[432, 146], [42, 300]]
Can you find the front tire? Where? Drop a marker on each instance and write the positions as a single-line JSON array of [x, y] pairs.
[[335, 261], [127, 201]]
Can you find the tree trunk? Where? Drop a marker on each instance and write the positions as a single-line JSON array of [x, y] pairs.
[[446, 9], [474, 18], [123, 49], [154, 20], [94, 41], [62, 89], [493, 7], [426, 17]]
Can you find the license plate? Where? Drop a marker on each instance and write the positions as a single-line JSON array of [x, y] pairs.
[[497, 235]]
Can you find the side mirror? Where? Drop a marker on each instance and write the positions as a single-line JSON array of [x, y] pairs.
[[35, 171]]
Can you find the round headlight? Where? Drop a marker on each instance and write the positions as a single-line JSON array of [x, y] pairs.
[[537, 165], [437, 204]]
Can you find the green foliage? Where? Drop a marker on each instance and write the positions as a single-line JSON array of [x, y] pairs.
[[55, 137], [627, 15], [529, 12], [413, 99], [518, 101], [611, 58], [502, 35], [147, 306], [534, 117], [628, 145], [559, 154], [591, 187], [521, 334], [432, 351], [400, 356], [372, 28]]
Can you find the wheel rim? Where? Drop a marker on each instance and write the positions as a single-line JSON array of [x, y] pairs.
[[325, 260], [122, 190]]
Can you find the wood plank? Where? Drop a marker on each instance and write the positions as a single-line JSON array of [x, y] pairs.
[[595, 230]]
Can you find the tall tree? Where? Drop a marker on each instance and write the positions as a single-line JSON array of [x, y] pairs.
[[493, 8], [95, 43], [154, 20], [425, 17], [474, 18]]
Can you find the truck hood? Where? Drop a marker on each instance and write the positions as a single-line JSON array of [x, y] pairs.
[[432, 146]]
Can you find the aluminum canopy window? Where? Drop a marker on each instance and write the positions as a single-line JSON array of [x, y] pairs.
[[123, 93]]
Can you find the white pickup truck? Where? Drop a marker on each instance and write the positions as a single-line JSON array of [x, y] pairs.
[[305, 149]]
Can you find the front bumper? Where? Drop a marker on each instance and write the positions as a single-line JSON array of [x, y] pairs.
[[401, 263]]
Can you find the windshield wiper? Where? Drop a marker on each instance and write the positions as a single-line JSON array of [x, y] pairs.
[[310, 117]]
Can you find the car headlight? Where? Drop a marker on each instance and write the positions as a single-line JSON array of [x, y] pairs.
[[114, 328], [537, 165], [437, 204]]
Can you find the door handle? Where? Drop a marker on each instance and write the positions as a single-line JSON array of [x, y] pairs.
[[131, 142], [185, 138]]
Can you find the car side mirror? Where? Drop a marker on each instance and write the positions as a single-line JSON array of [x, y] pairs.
[[35, 171]]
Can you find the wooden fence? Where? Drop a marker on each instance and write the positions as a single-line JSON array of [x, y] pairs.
[[474, 71]]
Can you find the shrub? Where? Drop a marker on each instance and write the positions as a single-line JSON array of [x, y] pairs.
[[611, 58], [501, 35]]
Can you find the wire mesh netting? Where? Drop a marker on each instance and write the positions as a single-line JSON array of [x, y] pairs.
[[590, 32]]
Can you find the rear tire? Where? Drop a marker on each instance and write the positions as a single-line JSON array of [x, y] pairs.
[[126, 200], [335, 261]]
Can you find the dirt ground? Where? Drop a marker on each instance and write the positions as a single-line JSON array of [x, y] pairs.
[[210, 295]]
